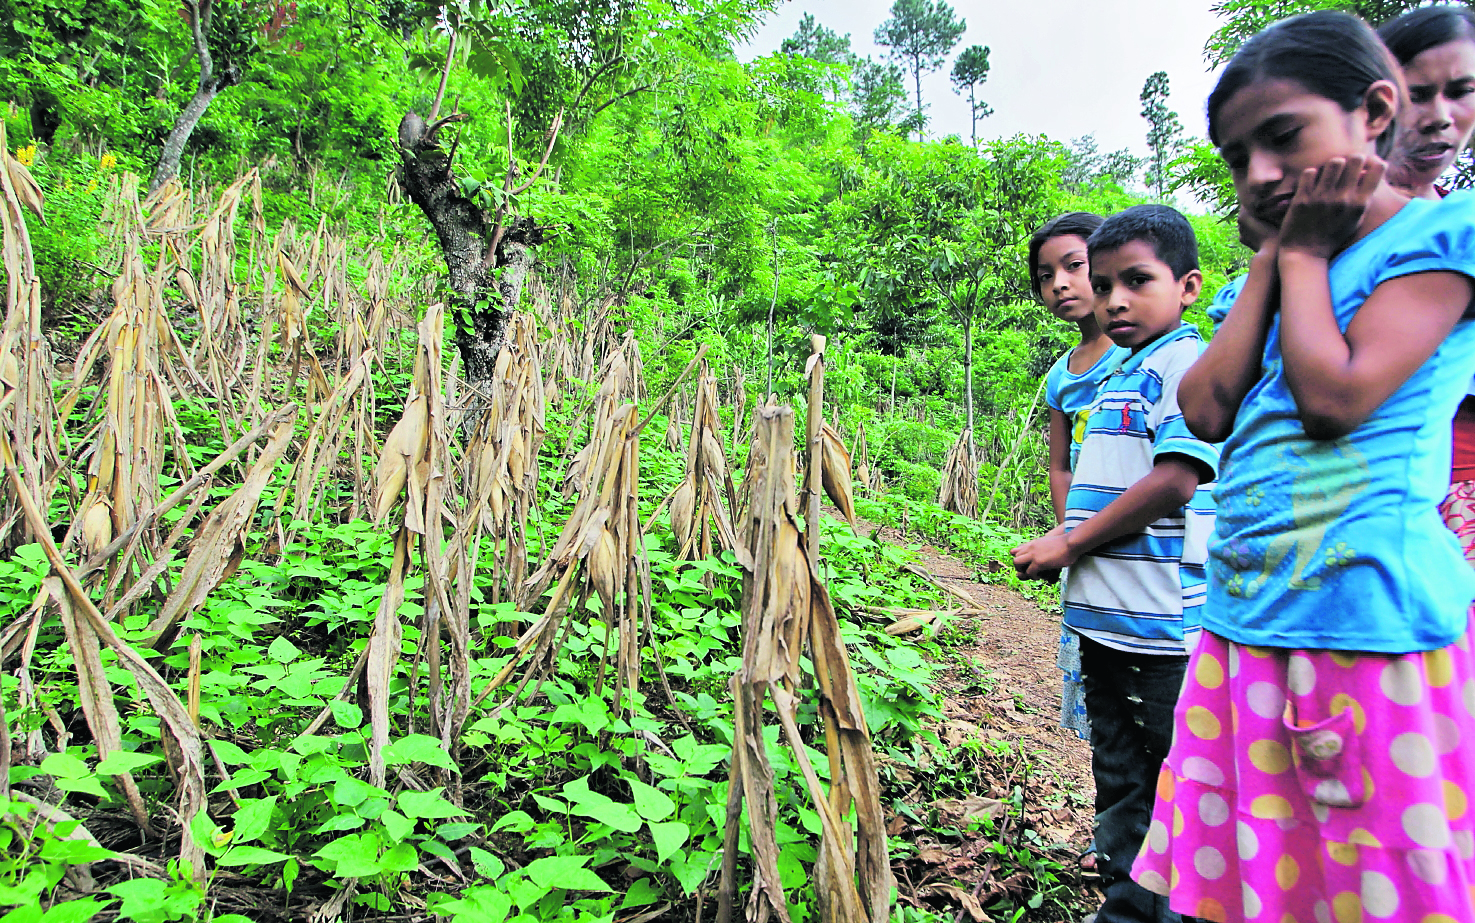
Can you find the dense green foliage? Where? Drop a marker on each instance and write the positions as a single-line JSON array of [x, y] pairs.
[[695, 200]]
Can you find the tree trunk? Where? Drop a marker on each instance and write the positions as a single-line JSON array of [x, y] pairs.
[[189, 117], [199, 15], [482, 298], [968, 372], [894, 364], [917, 73]]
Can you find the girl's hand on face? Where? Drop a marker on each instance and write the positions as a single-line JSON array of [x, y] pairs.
[[1329, 204], [1255, 233]]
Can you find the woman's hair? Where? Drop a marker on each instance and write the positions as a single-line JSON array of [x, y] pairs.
[[1070, 224], [1332, 54], [1416, 31]]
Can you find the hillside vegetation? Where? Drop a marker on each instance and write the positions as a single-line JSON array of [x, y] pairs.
[[397, 522]]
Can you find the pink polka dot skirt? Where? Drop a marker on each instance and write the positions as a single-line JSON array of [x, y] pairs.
[[1318, 787]]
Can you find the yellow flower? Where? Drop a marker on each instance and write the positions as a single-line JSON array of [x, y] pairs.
[[108, 161], [26, 155], [92, 186]]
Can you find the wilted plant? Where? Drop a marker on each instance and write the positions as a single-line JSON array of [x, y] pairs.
[[27, 414], [958, 492], [699, 520], [786, 607]]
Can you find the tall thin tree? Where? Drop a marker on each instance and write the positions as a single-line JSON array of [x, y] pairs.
[[920, 34], [1164, 131], [969, 73]]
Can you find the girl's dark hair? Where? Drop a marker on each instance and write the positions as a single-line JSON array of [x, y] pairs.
[[1331, 54], [1416, 31], [1070, 224]]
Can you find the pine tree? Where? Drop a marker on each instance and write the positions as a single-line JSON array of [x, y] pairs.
[[969, 72], [1164, 132], [920, 34]]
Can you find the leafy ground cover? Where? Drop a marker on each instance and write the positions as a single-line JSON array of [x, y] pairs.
[[254, 673]]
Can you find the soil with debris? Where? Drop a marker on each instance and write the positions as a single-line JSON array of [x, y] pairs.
[[1003, 686]]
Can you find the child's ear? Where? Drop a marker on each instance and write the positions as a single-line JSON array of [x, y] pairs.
[[1381, 102], [1192, 283]]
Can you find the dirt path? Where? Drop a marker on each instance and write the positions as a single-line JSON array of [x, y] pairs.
[[1003, 689]]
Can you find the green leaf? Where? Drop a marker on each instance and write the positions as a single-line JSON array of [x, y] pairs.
[[252, 819], [564, 872], [668, 837], [602, 808], [455, 831], [88, 786], [516, 822], [64, 766], [640, 894], [251, 855], [283, 651], [396, 825], [428, 804], [418, 748], [400, 858], [346, 715], [486, 864], [121, 761], [78, 911], [651, 803], [353, 856]]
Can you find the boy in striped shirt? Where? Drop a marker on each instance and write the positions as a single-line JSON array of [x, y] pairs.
[[1135, 535]]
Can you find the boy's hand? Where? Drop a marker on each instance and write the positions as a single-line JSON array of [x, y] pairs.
[[1044, 558], [1329, 204]]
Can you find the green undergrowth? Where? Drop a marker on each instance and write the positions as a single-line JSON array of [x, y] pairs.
[[557, 805]]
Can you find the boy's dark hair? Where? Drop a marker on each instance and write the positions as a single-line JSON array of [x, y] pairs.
[[1169, 233], [1416, 31], [1332, 54], [1070, 224]]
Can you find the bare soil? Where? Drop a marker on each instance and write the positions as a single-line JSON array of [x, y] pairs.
[[1001, 685]]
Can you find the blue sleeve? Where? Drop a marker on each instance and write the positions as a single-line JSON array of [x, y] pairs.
[[1170, 435], [1052, 382], [1224, 299], [1443, 240]]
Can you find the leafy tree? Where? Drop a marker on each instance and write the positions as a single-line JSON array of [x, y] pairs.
[[969, 72], [1201, 171], [947, 226], [225, 35], [1164, 132], [878, 98], [921, 33], [1088, 167], [821, 43], [1243, 18]]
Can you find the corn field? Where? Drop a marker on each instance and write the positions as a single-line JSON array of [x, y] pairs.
[[142, 530]]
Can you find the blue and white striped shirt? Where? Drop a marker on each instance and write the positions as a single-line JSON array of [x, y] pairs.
[[1143, 591]]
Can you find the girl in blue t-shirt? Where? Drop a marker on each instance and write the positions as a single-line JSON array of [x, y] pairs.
[[1061, 278], [1319, 766]]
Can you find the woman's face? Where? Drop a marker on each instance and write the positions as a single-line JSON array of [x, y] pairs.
[[1441, 112]]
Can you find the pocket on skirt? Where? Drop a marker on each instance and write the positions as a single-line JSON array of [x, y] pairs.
[[1328, 759]]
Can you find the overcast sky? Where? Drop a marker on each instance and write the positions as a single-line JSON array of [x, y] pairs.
[[1061, 68]]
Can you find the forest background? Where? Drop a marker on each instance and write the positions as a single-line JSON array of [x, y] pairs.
[[556, 174]]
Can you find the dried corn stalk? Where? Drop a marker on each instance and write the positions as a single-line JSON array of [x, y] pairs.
[[138, 418], [600, 551], [786, 607], [862, 456], [501, 463], [415, 460], [28, 417], [86, 630], [958, 492], [218, 544], [699, 520]]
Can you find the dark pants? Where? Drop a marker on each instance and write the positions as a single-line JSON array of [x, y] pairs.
[[1129, 699]]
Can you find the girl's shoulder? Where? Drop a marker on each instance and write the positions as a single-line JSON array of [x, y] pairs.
[[1424, 236]]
